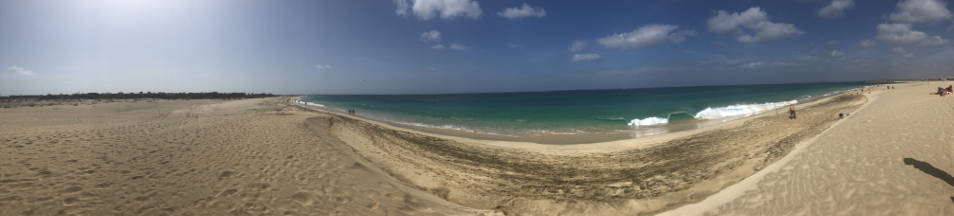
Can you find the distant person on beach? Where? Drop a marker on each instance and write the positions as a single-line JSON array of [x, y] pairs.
[[841, 115], [791, 111]]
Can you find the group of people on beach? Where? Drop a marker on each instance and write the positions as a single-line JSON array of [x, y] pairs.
[[945, 91], [351, 112], [843, 115]]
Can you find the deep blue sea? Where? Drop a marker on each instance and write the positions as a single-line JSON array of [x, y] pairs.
[[578, 111]]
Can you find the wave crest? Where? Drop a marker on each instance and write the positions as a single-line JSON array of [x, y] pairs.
[[648, 121], [740, 110], [717, 113]]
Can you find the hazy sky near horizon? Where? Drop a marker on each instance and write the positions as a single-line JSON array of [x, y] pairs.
[[444, 46]]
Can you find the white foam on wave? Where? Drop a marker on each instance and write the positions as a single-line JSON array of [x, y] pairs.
[[648, 121], [314, 104], [740, 110], [717, 113], [299, 101]]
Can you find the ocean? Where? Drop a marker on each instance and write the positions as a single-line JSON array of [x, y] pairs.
[[633, 112]]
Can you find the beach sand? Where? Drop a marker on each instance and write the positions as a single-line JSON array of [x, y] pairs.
[[894, 157], [270, 157], [634, 176], [188, 157]]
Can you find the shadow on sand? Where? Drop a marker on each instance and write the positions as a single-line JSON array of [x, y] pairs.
[[931, 170]]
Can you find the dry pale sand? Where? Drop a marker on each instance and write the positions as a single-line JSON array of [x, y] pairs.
[[196, 157], [893, 157]]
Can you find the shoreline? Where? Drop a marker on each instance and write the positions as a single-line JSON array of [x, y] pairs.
[[569, 138], [643, 175]]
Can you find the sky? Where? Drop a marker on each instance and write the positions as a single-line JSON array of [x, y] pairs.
[[456, 46]]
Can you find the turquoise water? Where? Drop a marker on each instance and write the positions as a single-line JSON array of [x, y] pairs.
[[581, 111]]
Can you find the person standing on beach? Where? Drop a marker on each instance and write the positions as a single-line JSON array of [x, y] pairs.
[[791, 111]]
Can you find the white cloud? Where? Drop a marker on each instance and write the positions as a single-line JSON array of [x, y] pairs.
[[438, 46], [921, 11], [459, 47], [585, 57], [21, 71], [680, 36], [446, 9], [866, 43], [432, 35], [934, 41], [836, 53], [902, 52], [644, 36], [762, 64], [577, 46], [322, 67], [902, 34], [755, 20], [402, 7], [525, 11], [836, 8], [753, 64]]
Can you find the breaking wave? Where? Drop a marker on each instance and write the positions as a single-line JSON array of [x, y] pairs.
[[740, 110], [717, 113], [649, 121]]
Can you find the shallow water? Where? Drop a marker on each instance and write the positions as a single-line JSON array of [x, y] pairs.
[[631, 112]]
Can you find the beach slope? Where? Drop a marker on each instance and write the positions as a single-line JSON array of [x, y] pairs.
[[894, 157]]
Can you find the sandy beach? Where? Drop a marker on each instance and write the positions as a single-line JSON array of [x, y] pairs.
[[271, 157], [188, 157], [894, 157]]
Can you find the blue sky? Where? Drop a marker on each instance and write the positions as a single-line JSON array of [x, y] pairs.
[[443, 46]]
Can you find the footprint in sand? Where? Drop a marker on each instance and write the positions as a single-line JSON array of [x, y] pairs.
[[304, 198], [73, 189], [70, 201], [225, 174], [228, 192], [142, 198]]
